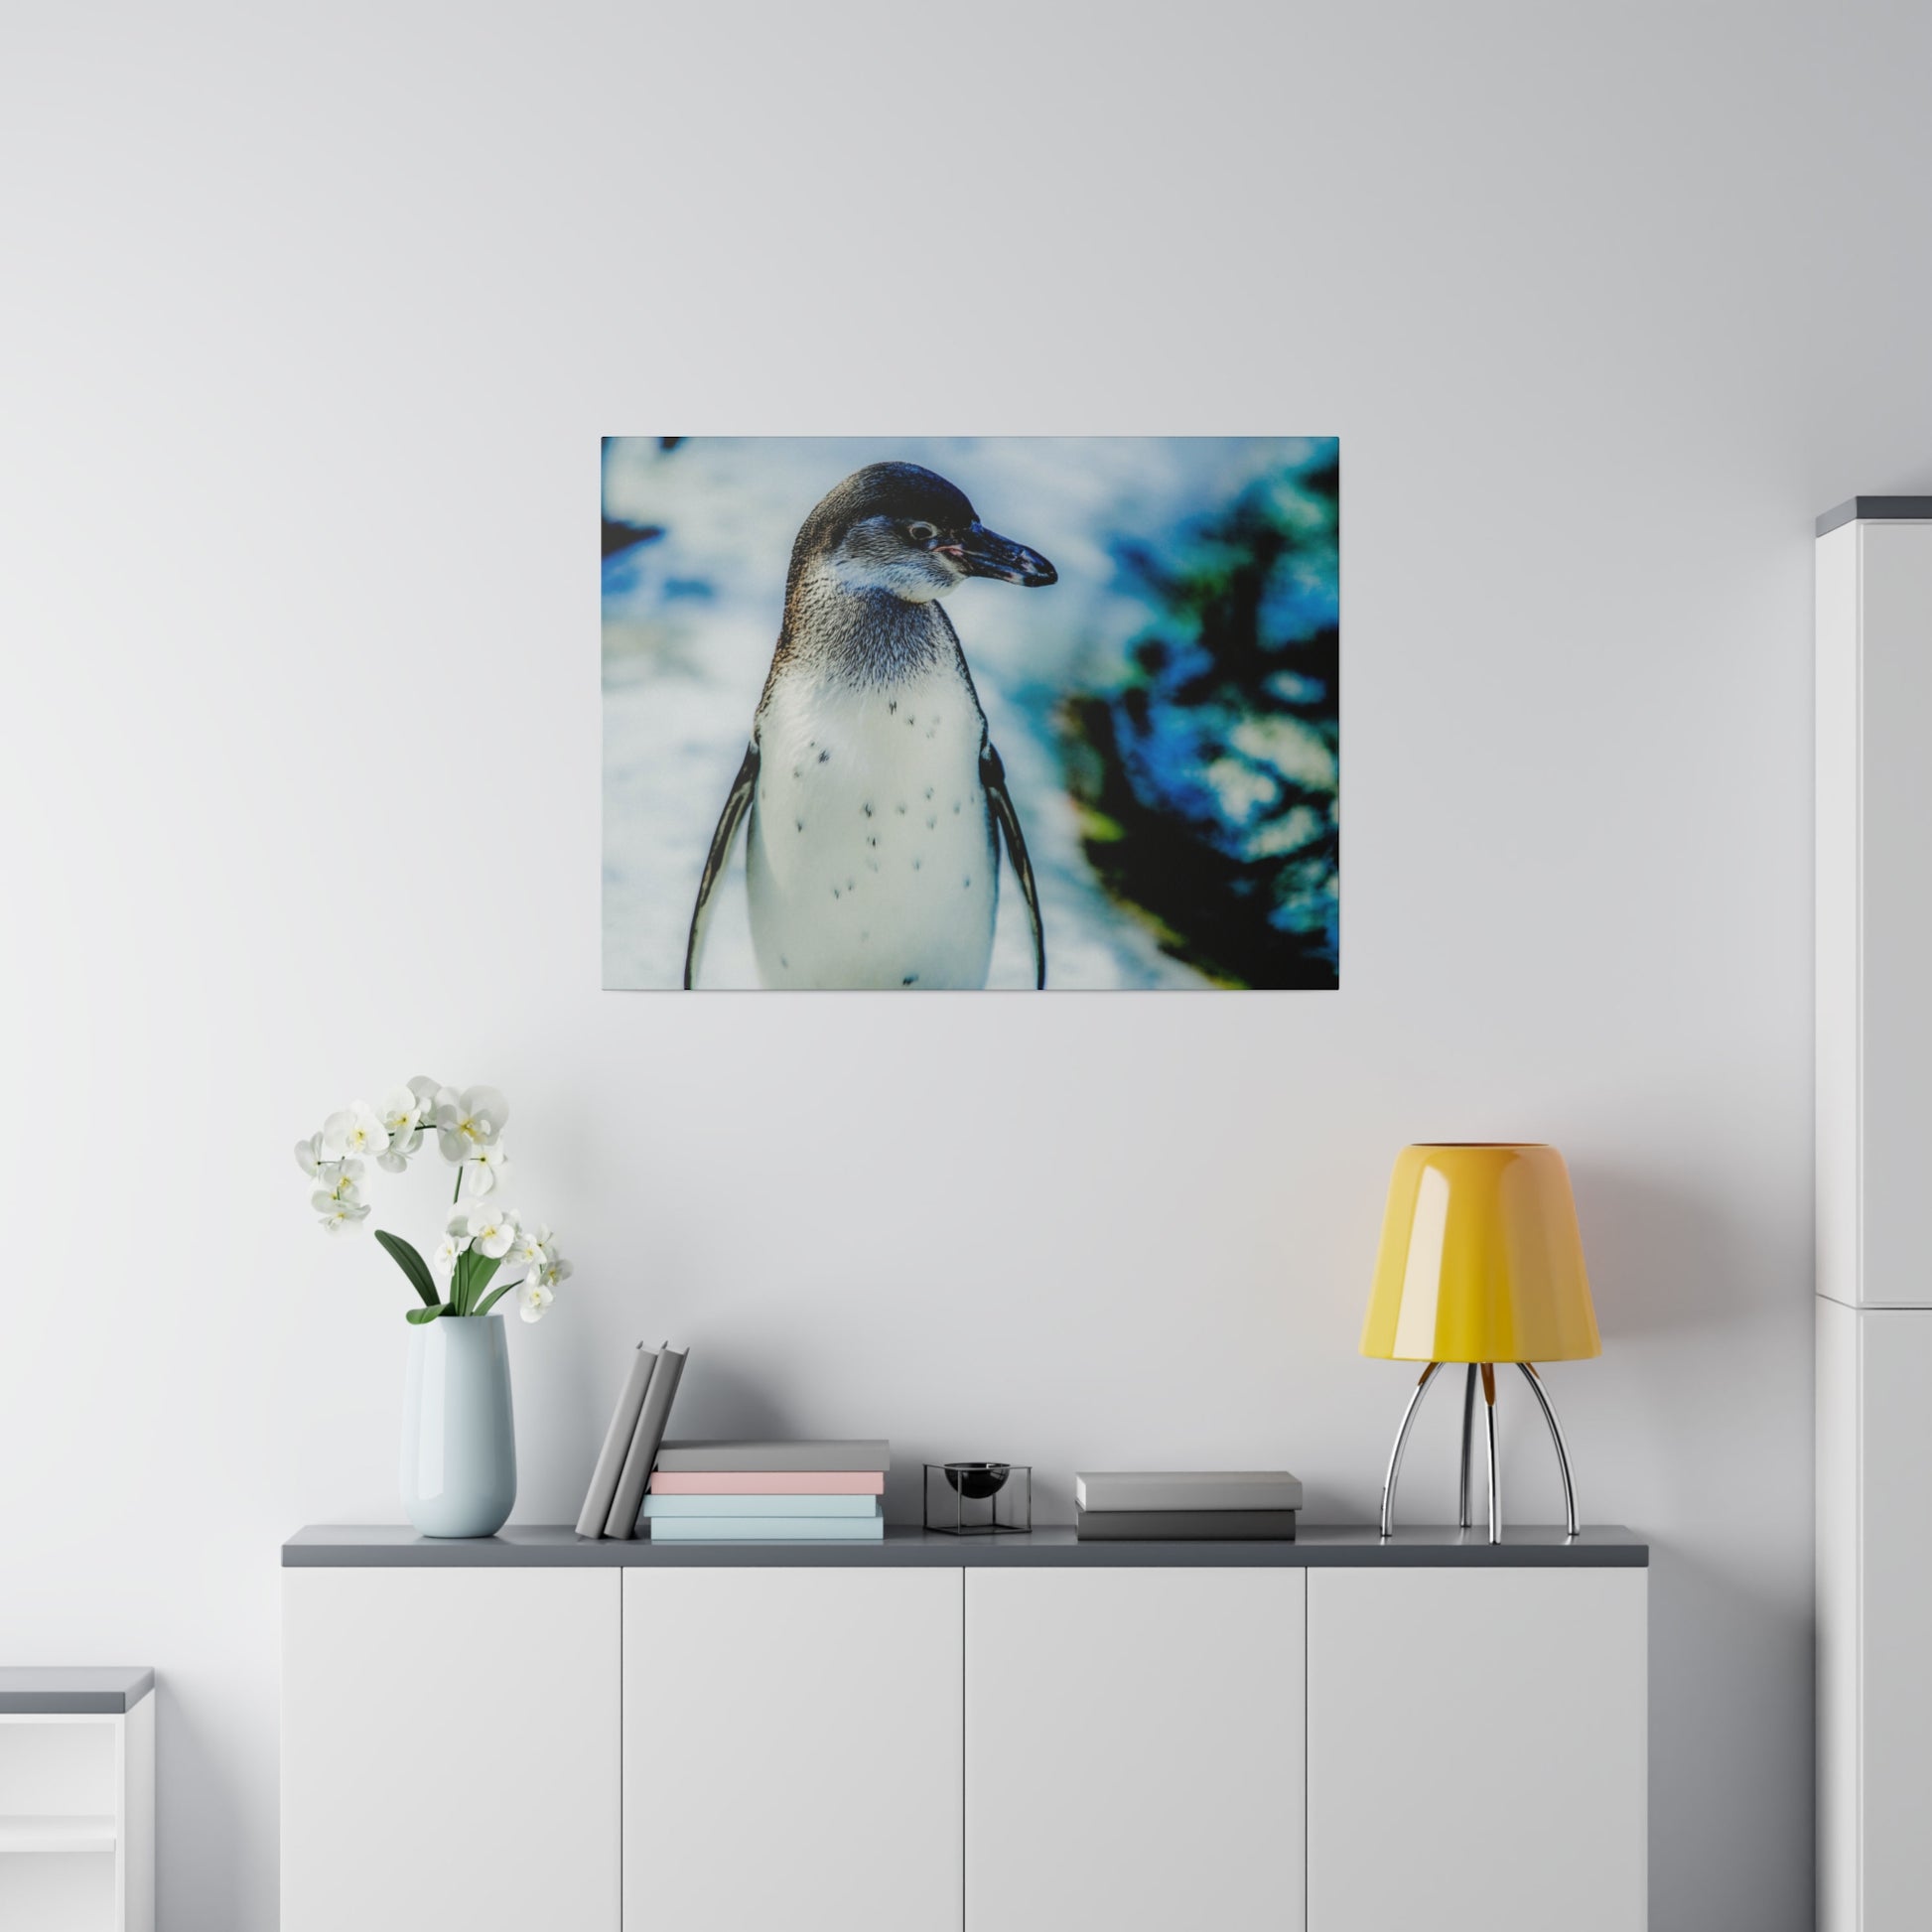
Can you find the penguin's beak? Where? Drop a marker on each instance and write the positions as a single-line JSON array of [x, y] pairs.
[[984, 553]]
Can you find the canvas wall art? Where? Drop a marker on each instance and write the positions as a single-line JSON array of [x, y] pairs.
[[926, 713]]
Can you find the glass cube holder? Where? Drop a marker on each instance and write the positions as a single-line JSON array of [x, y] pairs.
[[979, 1498]]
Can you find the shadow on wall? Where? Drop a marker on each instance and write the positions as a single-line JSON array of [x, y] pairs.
[[1717, 1647], [1679, 1286], [1662, 1260], [196, 1809], [718, 1401]]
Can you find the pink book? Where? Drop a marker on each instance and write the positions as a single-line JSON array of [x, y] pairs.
[[770, 1482]]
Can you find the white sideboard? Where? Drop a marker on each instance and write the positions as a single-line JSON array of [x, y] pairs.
[[1874, 1157], [937, 1734]]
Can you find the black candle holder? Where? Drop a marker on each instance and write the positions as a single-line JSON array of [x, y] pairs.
[[979, 1498]]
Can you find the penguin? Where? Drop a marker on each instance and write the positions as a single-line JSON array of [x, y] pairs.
[[874, 799]]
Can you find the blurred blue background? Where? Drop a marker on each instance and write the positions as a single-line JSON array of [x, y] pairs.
[[1168, 712]]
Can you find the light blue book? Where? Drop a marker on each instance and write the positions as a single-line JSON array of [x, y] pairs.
[[767, 1528], [662, 1506]]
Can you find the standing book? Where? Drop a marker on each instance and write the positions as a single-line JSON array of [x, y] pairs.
[[645, 1441], [616, 1444]]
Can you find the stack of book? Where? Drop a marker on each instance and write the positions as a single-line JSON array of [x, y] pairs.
[[631, 1443], [778, 1492], [1227, 1505]]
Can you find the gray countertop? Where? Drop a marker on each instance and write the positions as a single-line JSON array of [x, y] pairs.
[[64, 1690], [1877, 510], [1317, 1546]]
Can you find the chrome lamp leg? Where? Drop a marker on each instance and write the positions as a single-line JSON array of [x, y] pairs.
[[1400, 1439], [1463, 1517], [1556, 1435], [1495, 1468]]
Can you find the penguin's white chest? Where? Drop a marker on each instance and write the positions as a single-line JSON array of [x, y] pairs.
[[871, 860]]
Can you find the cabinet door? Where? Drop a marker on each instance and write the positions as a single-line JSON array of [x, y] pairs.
[[1476, 1749], [792, 1751], [450, 1749], [1894, 910], [1895, 1686], [1134, 1750]]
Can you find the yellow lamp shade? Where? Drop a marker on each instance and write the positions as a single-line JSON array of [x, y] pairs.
[[1481, 1260]]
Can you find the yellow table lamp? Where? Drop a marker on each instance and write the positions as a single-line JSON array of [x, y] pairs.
[[1480, 1263]]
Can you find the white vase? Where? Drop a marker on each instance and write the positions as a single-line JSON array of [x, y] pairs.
[[459, 1439]]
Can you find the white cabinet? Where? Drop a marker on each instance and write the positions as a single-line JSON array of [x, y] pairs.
[[77, 1819], [450, 1749], [1476, 1749], [791, 1758], [1134, 1750], [532, 1734], [1873, 1178]]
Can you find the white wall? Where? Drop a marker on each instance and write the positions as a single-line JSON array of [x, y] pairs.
[[310, 324]]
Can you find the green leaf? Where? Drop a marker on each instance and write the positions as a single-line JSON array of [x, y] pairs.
[[480, 1276], [495, 1295], [412, 1265], [472, 1271], [420, 1315]]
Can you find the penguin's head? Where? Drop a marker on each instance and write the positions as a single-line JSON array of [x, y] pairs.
[[896, 529]]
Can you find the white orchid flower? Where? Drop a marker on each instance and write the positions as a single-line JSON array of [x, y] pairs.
[[356, 1130], [552, 1270], [308, 1154], [492, 1232], [400, 1111], [485, 1171], [531, 1300], [468, 1121], [533, 1246], [339, 1180], [400, 1114], [455, 1241], [341, 1214]]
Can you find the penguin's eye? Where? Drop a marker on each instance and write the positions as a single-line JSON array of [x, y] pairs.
[[922, 532]]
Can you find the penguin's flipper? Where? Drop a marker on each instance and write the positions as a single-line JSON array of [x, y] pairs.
[[993, 776], [719, 857]]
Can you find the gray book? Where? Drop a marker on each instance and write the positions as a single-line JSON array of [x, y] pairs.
[[1190, 1489], [1187, 1526], [616, 1444], [645, 1440], [739, 1458]]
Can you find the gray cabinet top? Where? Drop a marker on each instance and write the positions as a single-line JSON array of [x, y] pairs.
[[67, 1690], [1877, 510], [1317, 1546]]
